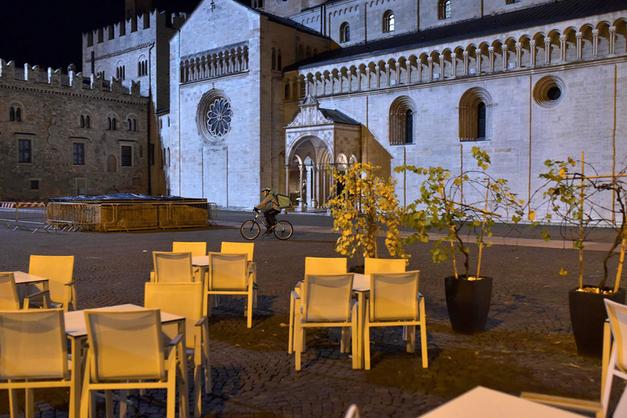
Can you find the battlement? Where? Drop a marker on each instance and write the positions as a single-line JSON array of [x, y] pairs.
[[153, 21], [59, 79]]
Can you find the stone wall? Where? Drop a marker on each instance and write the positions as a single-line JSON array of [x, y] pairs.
[[51, 105]]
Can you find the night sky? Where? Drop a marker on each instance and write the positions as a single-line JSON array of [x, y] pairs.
[[48, 32]]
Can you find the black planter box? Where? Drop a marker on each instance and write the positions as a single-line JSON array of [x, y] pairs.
[[468, 303]]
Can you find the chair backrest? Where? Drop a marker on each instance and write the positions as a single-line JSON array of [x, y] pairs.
[[125, 345], [247, 248], [385, 265], [617, 313], [228, 271], [394, 296], [9, 300], [198, 249], [172, 267], [33, 345], [59, 271], [184, 299], [325, 265], [327, 298]]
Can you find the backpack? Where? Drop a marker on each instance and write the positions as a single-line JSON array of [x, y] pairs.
[[283, 201]]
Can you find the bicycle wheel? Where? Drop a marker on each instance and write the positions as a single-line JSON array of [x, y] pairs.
[[250, 229], [283, 230]]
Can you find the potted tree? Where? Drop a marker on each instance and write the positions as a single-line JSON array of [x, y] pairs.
[[581, 201], [447, 203], [366, 205]]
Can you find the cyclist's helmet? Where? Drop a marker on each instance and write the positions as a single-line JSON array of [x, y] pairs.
[[266, 189]]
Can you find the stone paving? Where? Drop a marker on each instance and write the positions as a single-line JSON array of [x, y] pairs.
[[528, 344]]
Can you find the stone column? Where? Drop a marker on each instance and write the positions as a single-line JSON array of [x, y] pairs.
[[300, 187], [430, 61], [491, 58], [465, 53], [595, 42], [453, 64], [358, 79], [309, 184], [532, 51], [442, 66], [287, 179], [563, 48], [518, 55], [505, 52], [398, 74], [612, 40], [579, 37]]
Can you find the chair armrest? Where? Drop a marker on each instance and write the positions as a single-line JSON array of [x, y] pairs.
[[176, 340], [72, 283], [36, 294], [295, 295], [563, 402], [201, 321]]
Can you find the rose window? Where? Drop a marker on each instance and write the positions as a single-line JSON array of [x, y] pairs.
[[218, 117]]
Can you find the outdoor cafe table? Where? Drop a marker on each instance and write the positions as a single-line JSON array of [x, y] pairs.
[[76, 330], [482, 402], [24, 279], [202, 261]]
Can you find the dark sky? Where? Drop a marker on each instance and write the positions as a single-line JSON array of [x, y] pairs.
[[48, 32]]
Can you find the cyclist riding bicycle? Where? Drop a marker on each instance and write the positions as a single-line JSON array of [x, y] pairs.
[[270, 208]]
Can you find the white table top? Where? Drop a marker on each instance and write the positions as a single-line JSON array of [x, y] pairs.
[[21, 278], [482, 402], [361, 282], [75, 320]]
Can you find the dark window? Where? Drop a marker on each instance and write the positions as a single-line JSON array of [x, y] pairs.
[[444, 9], [25, 151], [481, 115], [345, 32], [273, 59], [87, 122], [18, 114], [409, 127], [12, 114], [554, 93], [151, 154], [82, 121], [279, 61], [34, 184], [78, 153], [389, 21], [126, 156]]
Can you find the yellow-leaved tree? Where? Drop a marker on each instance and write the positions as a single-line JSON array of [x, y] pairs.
[[366, 205]]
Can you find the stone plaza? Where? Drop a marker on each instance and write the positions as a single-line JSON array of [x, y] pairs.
[[528, 345]]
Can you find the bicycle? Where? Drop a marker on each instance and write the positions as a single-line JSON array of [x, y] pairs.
[[251, 228]]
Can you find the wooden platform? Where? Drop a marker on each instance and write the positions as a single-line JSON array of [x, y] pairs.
[[130, 215]]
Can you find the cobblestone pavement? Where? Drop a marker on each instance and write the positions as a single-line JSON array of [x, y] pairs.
[[528, 344]]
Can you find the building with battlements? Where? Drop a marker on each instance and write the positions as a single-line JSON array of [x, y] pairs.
[[245, 94], [65, 134]]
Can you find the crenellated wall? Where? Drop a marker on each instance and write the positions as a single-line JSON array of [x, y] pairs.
[[58, 135]]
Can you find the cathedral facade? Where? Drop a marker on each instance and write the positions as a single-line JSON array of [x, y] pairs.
[[244, 94]]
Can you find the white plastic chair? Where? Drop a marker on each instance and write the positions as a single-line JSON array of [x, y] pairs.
[[33, 355], [126, 352], [186, 299], [326, 302], [172, 267], [395, 301], [313, 265], [229, 275]]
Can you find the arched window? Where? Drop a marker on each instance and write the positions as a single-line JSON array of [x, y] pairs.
[[402, 121], [109, 124], [481, 114], [474, 115], [287, 91], [12, 114], [87, 122], [389, 21], [273, 59], [82, 121], [345, 32], [409, 126], [279, 61], [18, 114], [444, 9], [129, 122]]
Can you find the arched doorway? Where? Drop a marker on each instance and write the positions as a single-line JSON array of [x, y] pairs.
[[310, 172]]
